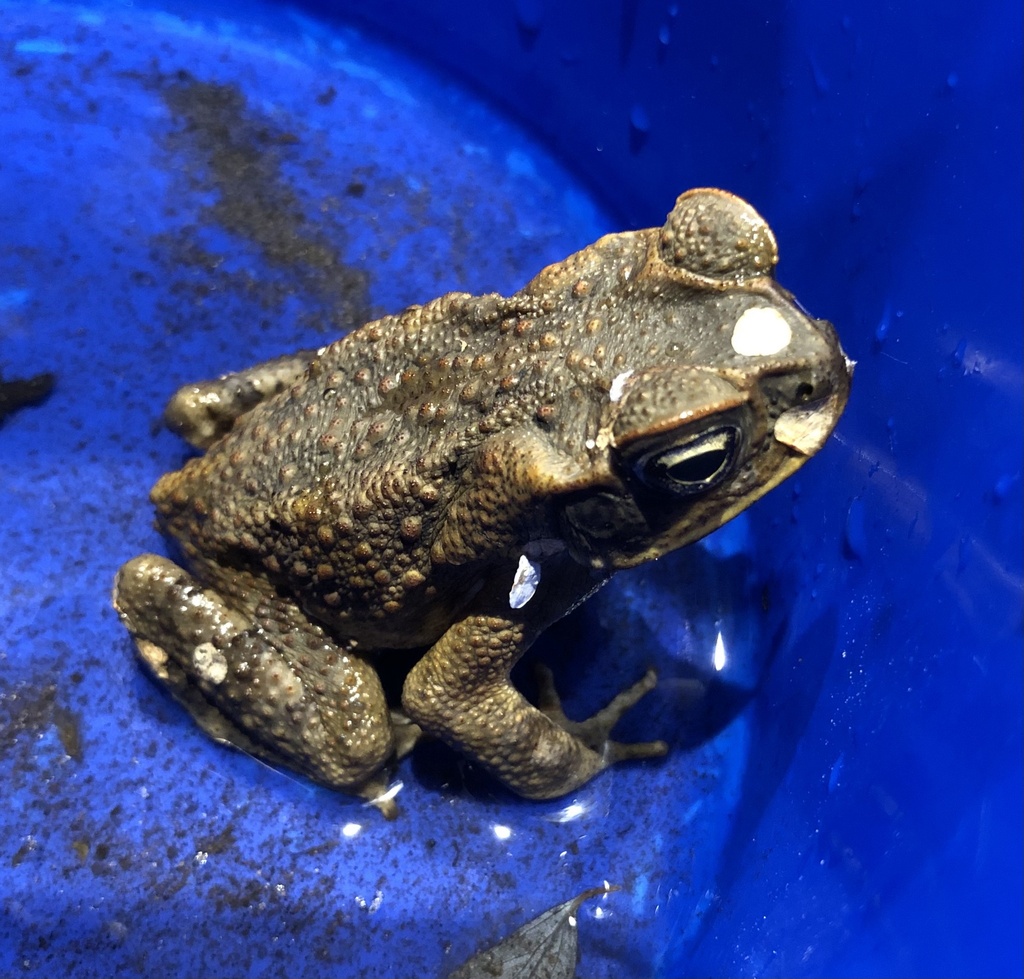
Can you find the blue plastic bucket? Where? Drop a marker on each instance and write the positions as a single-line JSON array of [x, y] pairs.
[[188, 188]]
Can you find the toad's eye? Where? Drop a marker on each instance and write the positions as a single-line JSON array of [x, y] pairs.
[[693, 466]]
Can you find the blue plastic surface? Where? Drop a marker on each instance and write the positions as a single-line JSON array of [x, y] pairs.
[[847, 799]]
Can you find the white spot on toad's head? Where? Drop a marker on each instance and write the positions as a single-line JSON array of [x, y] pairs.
[[210, 663], [619, 385], [760, 332], [524, 584]]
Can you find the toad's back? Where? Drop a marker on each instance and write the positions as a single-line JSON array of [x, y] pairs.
[[340, 482]]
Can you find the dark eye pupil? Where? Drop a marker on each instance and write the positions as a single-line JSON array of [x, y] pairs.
[[698, 468], [693, 466]]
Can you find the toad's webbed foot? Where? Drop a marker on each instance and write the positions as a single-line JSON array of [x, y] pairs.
[[595, 730]]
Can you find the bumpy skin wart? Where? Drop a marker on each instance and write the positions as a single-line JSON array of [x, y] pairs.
[[388, 490]]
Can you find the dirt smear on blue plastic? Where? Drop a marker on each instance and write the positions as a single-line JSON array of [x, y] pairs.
[[225, 150]]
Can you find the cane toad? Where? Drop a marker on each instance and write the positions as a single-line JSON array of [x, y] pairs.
[[457, 477]]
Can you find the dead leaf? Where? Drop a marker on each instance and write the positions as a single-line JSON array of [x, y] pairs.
[[544, 948]]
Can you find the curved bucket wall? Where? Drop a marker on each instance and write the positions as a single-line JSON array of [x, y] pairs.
[[188, 188]]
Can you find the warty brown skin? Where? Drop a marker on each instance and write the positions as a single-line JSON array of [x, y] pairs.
[[388, 490]]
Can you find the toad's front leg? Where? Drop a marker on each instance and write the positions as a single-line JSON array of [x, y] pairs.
[[201, 413], [460, 692]]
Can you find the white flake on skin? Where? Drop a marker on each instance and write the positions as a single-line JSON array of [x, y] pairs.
[[619, 385], [210, 663], [806, 428], [524, 584], [760, 332]]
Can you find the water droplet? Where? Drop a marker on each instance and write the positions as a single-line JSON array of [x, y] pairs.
[[882, 329], [963, 554], [821, 82], [639, 120], [855, 539], [958, 355], [1002, 487], [664, 35], [835, 773], [529, 17], [639, 127]]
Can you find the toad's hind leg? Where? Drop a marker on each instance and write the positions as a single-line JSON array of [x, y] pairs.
[[262, 678], [201, 413], [460, 692]]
